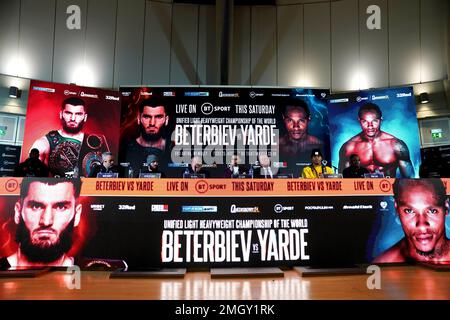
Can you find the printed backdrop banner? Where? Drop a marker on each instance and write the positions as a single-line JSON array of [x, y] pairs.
[[71, 126], [178, 123], [378, 125], [157, 227]]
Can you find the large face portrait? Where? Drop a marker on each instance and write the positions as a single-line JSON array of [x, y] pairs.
[[45, 219], [370, 122], [296, 122], [73, 118], [151, 122], [422, 217]]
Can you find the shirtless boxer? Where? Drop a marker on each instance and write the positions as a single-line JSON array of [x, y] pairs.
[[378, 150], [422, 207]]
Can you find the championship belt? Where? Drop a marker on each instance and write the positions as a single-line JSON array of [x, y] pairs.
[[91, 153], [64, 154]]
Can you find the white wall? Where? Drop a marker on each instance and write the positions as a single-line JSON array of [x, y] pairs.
[[297, 43]]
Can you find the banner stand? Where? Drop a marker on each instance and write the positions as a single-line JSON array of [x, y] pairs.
[[161, 273], [436, 266], [246, 272], [23, 272], [312, 272]]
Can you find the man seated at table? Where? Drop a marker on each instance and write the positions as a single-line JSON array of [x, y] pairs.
[[32, 167], [354, 170], [196, 168], [107, 165], [265, 169], [234, 168], [153, 166], [316, 169]]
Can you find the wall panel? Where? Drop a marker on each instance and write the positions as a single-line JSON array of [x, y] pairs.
[[263, 45], [37, 24], [433, 17], [290, 45], [101, 41], [9, 36], [157, 37], [374, 47], [69, 52], [129, 42], [317, 45], [207, 67], [345, 46], [240, 67], [404, 42], [183, 54]]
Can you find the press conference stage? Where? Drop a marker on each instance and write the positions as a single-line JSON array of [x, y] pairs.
[[202, 226]]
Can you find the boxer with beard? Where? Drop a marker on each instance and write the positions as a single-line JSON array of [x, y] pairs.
[[422, 207], [60, 149], [46, 215], [71, 148], [152, 120]]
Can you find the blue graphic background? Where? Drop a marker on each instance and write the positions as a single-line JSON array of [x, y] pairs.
[[399, 119], [387, 229], [318, 126]]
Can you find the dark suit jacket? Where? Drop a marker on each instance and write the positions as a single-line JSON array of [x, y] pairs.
[[229, 173]]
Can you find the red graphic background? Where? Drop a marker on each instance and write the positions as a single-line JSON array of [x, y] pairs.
[[85, 230], [44, 107]]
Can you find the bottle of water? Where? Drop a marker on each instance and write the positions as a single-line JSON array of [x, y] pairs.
[[186, 172], [75, 172], [130, 172], [250, 171]]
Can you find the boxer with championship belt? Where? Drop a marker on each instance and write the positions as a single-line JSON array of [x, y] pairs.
[[64, 151], [69, 147]]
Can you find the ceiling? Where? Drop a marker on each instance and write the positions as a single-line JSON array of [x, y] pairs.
[[236, 2], [251, 2]]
